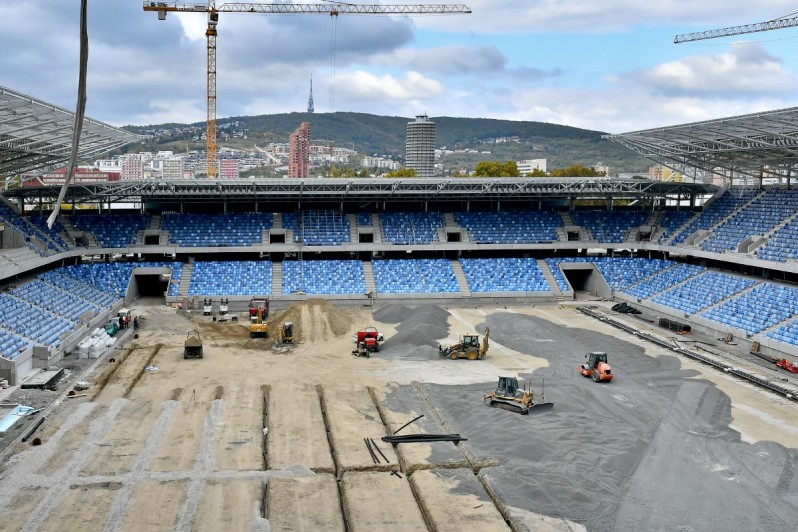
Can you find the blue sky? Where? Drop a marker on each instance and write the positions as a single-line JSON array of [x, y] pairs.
[[607, 65]]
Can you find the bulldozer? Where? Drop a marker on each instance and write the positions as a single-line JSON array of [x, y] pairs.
[[596, 367], [508, 396], [193, 345], [257, 323], [468, 347]]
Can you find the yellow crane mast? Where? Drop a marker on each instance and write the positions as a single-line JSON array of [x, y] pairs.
[[334, 9]]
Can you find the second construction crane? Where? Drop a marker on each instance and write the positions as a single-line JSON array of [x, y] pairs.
[[333, 9]]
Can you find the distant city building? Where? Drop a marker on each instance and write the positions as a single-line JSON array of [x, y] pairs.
[[381, 162], [420, 146], [663, 173], [228, 169], [528, 165], [299, 152], [310, 98], [81, 175]]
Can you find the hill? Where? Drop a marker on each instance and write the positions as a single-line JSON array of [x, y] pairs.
[[385, 135]]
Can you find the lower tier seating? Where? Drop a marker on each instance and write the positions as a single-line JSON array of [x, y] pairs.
[[414, 276]]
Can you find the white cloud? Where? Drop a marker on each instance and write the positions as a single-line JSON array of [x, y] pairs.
[[367, 86]]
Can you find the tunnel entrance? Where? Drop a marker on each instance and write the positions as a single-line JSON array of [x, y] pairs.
[[578, 278], [149, 285], [585, 277]]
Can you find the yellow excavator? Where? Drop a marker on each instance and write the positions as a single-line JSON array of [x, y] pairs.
[[285, 334], [468, 347], [257, 322]]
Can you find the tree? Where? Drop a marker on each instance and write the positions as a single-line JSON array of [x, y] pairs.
[[577, 170], [537, 172], [402, 172], [496, 169]]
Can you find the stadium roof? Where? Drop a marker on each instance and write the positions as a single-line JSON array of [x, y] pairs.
[[752, 146], [363, 190], [35, 134]]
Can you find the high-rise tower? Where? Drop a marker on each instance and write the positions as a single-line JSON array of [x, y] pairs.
[[420, 146], [310, 98], [299, 152]]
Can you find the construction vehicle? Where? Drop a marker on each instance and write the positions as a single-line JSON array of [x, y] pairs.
[[785, 364], [112, 327], [207, 307], [367, 340], [285, 334], [509, 396], [257, 323], [597, 367], [193, 345], [258, 303], [468, 347]]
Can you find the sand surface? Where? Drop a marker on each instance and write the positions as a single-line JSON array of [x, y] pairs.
[[248, 434]]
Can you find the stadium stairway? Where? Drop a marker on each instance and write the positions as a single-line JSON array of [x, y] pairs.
[[277, 223], [681, 228], [720, 222], [767, 236], [368, 275], [277, 277], [375, 223], [459, 274], [185, 278], [354, 237], [553, 286]]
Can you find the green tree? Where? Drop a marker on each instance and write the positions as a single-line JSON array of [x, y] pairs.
[[537, 172], [496, 169], [402, 172], [577, 170]]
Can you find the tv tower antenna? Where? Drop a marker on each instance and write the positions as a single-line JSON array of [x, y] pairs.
[[310, 98]]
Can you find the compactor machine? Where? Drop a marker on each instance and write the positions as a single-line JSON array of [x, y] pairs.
[[193, 345], [367, 341], [596, 367], [469, 347], [508, 396]]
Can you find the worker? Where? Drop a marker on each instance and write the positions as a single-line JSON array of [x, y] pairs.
[[127, 321], [135, 323]]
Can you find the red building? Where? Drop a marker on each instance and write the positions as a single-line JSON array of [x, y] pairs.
[[299, 151], [81, 175], [228, 168]]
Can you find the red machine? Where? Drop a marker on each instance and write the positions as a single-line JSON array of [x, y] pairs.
[[596, 367], [258, 303], [785, 364], [367, 341]]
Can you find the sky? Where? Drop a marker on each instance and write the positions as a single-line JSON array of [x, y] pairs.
[[606, 65]]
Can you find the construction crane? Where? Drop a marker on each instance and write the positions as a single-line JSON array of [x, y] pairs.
[[333, 9], [775, 24]]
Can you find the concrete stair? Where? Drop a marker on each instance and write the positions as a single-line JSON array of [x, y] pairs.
[[681, 228], [277, 222], [277, 279], [353, 234], [711, 230], [185, 279], [461, 278], [375, 221], [368, 274], [555, 289], [155, 222]]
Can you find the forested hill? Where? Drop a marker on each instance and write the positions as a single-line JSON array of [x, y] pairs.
[[385, 135]]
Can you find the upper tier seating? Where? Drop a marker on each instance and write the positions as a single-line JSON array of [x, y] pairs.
[[55, 234], [50, 239], [324, 277], [364, 219], [782, 245], [663, 280], [787, 333], [621, 272], [414, 276], [610, 226], [758, 218], [703, 291], [230, 278], [217, 229], [410, 227], [504, 275], [318, 228], [764, 306], [511, 227], [718, 210], [670, 221], [112, 230]]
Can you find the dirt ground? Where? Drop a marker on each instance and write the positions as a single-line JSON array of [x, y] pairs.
[[250, 438]]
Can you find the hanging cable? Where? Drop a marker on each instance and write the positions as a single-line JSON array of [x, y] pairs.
[[79, 111], [333, 44]]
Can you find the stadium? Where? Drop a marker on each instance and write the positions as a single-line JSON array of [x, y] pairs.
[[254, 435]]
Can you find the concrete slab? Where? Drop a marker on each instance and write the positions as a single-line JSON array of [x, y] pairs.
[[296, 429], [453, 500], [44, 379], [380, 501], [303, 503], [352, 416]]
